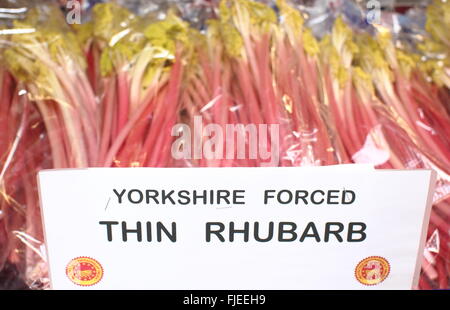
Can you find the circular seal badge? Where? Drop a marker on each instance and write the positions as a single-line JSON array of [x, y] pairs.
[[84, 271], [372, 270]]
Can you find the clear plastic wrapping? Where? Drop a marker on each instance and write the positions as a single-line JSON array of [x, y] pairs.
[[149, 83]]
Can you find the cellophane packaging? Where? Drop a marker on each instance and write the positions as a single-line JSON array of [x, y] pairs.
[[108, 83]]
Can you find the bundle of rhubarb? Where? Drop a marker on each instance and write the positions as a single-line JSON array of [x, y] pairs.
[[142, 90]]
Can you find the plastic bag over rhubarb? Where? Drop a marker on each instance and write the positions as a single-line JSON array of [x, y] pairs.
[[118, 89]]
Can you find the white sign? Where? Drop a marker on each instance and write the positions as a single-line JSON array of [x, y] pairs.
[[235, 228]]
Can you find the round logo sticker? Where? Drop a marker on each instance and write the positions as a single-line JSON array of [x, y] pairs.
[[372, 270], [84, 271]]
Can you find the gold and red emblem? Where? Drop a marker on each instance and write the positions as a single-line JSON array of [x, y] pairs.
[[372, 270], [84, 271]]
